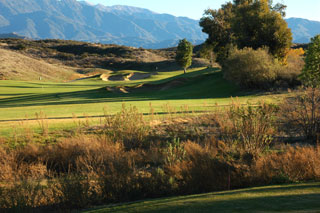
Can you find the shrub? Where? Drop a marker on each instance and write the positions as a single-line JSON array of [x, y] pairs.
[[25, 196], [287, 75], [175, 152], [250, 68], [211, 166], [127, 126], [6, 170], [291, 165], [250, 128], [77, 191], [65, 56], [204, 170], [302, 113], [20, 46]]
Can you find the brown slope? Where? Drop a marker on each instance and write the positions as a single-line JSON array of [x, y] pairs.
[[16, 66]]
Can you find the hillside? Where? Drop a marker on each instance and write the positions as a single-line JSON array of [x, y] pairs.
[[73, 20], [303, 29], [28, 60], [16, 66]]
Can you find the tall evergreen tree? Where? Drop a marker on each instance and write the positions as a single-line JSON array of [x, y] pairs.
[[311, 73], [184, 54]]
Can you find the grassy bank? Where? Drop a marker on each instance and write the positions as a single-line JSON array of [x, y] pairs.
[[279, 198]]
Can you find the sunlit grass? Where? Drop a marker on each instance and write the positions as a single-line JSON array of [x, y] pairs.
[[201, 87]]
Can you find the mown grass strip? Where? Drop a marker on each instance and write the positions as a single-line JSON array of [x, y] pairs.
[[280, 198]]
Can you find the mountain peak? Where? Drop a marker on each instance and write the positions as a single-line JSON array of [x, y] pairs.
[[86, 3], [123, 9], [303, 29]]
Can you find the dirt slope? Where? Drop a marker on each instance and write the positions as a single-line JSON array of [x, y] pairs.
[[16, 66]]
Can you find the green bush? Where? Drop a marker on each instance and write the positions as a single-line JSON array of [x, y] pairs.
[[250, 68]]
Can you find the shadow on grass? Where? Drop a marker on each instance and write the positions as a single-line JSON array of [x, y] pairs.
[[15, 94], [288, 203], [209, 84], [235, 201]]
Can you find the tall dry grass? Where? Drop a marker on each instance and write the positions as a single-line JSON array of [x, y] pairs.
[[292, 165], [129, 159]]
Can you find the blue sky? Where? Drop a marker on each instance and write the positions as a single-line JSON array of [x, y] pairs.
[[309, 9]]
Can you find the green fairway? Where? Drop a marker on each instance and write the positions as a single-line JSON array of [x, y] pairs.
[[283, 198], [198, 89]]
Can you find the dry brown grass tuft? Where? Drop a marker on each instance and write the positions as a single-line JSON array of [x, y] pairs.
[[291, 165], [6, 167]]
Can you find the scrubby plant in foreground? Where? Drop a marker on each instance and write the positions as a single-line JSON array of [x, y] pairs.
[[104, 167], [128, 126], [302, 113], [249, 127], [292, 165]]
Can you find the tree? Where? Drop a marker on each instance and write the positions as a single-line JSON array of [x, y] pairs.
[[184, 54], [311, 72], [247, 23], [207, 52], [280, 8], [217, 24], [256, 25]]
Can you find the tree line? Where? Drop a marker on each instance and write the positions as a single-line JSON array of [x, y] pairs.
[[250, 26]]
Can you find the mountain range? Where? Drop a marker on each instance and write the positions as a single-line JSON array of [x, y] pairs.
[[122, 25], [303, 29], [78, 20]]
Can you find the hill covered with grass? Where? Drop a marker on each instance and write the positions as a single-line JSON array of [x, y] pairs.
[[78, 59], [17, 66]]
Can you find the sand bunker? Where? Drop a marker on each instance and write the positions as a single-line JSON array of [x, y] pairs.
[[131, 77], [108, 77]]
